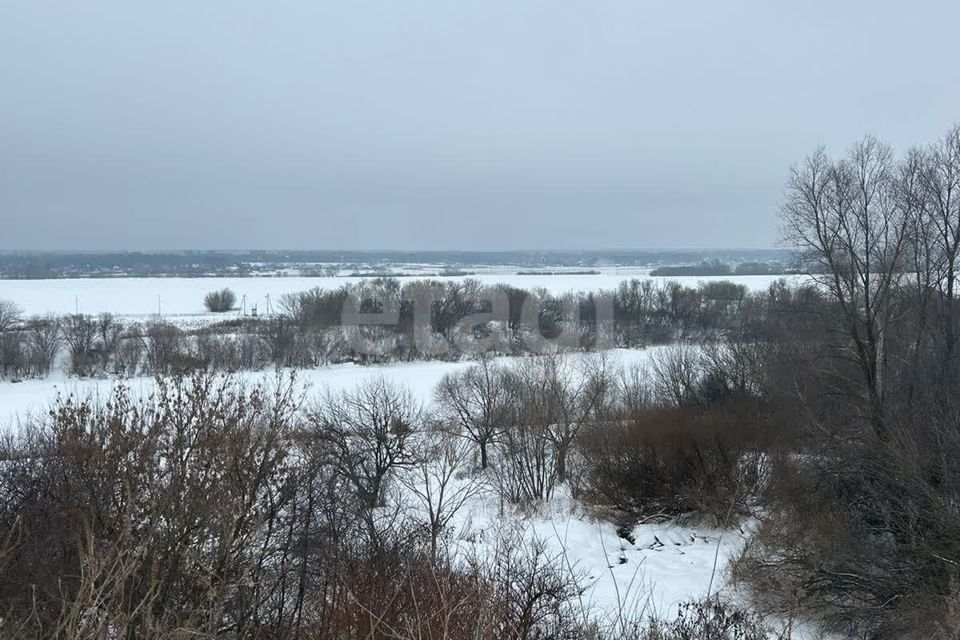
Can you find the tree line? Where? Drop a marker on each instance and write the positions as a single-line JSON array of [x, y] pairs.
[[419, 320]]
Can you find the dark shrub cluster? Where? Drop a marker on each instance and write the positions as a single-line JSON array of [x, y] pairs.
[[220, 301], [674, 461]]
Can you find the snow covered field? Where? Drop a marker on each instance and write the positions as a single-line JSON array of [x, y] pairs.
[[665, 565], [182, 298], [22, 399]]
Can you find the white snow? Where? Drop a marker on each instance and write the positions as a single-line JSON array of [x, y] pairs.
[[666, 565]]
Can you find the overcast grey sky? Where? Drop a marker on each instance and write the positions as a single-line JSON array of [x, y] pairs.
[[445, 124]]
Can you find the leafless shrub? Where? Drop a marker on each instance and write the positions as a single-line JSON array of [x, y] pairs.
[[412, 598], [538, 592], [220, 351], [674, 461], [366, 435], [711, 619], [281, 342], [164, 346], [14, 358], [220, 301], [79, 332], [633, 389], [124, 538], [525, 468], [732, 370], [676, 371], [109, 332], [250, 351], [130, 353]]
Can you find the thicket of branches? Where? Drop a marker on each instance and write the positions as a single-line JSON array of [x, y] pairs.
[[314, 328], [216, 510]]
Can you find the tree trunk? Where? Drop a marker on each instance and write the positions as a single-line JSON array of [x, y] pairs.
[[562, 463]]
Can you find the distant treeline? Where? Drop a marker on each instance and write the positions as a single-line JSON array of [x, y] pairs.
[[37, 265], [717, 268], [315, 327], [585, 272]]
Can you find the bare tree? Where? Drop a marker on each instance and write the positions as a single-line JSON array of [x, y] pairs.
[[11, 342], [367, 433], [279, 337], [129, 352], [852, 231], [220, 301], [732, 369], [9, 315], [925, 259], [13, 357], [109, 332], [560, 394], [164, 346], [477, 402], [526, 469], [940, 181], [437, 487], [45, 341]]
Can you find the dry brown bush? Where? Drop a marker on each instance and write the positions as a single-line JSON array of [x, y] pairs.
[[674, 460]]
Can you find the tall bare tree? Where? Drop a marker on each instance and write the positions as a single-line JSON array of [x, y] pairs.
[[9, 315], [940, 181], [845, 219]]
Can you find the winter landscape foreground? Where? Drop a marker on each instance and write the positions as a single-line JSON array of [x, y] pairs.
[[662, 565]]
